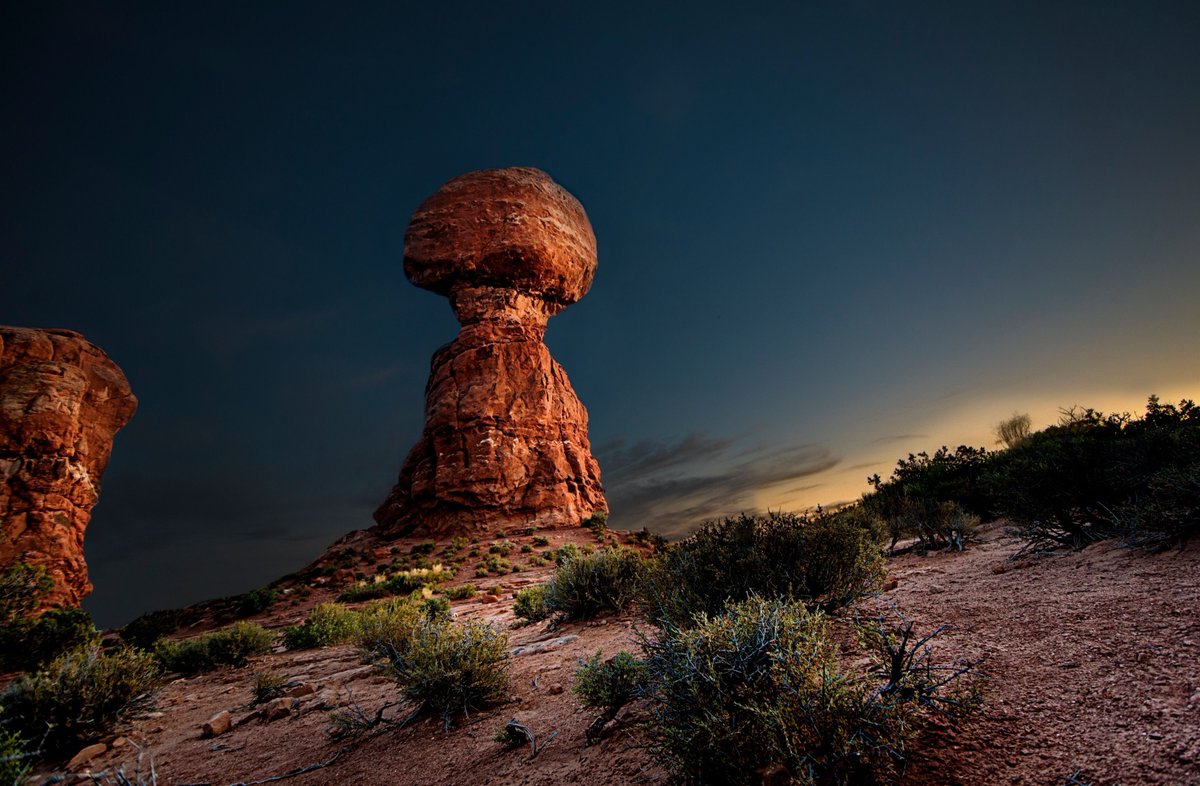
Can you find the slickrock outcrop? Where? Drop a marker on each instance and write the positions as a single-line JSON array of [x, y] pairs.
[[61, 401], [505, 439]]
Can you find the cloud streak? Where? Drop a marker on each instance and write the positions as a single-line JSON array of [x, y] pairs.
[[670, 487]]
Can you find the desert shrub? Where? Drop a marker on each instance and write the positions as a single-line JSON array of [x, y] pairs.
[[400, 583], [1013, 431], [760, 689], [460, 592], [267, 686], [27, 643], [226, 647], [449, 668], [426, 547], [386, 627], [77, 697], [254, 602], [15, 761], [608, 685], [326, 624], [503, 548], [1167, 513], [565, 553], [922, 482], [827, 560], [435, 608], [147, 629], [597, 523], [493, 564], [530, 603], [541, 541], [606, 580]]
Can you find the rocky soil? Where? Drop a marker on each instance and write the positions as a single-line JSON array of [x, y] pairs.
[[1091, 660]]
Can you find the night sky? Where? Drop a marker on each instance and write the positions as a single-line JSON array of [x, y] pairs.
[[829, 235]]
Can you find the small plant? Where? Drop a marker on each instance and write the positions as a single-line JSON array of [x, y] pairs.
[[607, 580], [77, 697], [493, 564], [227, 647], [267, 686], [566, 553], [435, 608], [597, 523], [27, 642], [448, 668], [15, 761], [503, 548], [426, 547], [608, 686], [526, 548], [514, 734], [326, 624], [400, 583], [541, 541], [460, 592], [386, 627], [254, 602], [530, 603]]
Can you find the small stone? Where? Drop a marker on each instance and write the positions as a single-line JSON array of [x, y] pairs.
[[217, 724], [276, 709], [555, 690], [303, 689], [1154, 735], [86, 755], [246, 718], [119, 742], [489, 599]]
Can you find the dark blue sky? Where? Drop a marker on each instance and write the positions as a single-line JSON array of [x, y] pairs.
[[829, 234]]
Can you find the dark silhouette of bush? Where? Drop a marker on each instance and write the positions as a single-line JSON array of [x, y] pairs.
[[827, 560], [908, 502], [1095, 476], [28, 641]]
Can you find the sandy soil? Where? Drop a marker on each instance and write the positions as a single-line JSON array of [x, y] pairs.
[[1092, 659]]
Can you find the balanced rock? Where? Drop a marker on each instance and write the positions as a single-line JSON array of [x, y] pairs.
[[505, 438], [61, 401]]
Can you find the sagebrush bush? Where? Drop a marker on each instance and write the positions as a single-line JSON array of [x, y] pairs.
[[530, 603], [386, 627], [605, 580], [15, 761], [26, 641], [254, 602], [608, 685], [460, 592], [401, 583], [78, 697], [447, 668], [827, 560], [325, 625], [226, 647], [760, 687], [267, 685]]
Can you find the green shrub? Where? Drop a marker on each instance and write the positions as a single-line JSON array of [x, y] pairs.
[[493, 564], [541, 541], [22, 586], [426, 547], [530, 603], [597, 523], [386, 627], [760, 687], [78, 697], [15, 762], [503, 548], [267, 686], [565, 553], [608, 686], [460, 592], [607, 580], [29, 643], [254, 602], [435, 608], [326, 624], [827, 560], [227, 647], [448, 668], [147, 629], [401, 583]]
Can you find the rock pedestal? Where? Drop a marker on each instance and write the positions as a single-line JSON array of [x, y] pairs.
[[61, 401], [505, 439]]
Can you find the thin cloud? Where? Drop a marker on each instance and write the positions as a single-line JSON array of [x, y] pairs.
[[669, 493], [897, 438]]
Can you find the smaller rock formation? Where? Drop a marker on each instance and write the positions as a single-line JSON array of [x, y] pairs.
[[61, 401], [505, 439]]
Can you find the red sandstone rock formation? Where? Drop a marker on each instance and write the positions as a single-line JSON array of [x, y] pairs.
[[505, 439], [61, 401]]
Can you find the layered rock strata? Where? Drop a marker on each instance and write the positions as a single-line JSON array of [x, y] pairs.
[[61, 401], [505, 440]]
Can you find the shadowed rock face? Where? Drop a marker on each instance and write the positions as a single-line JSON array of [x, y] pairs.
[[61, 401], [505, 438]]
